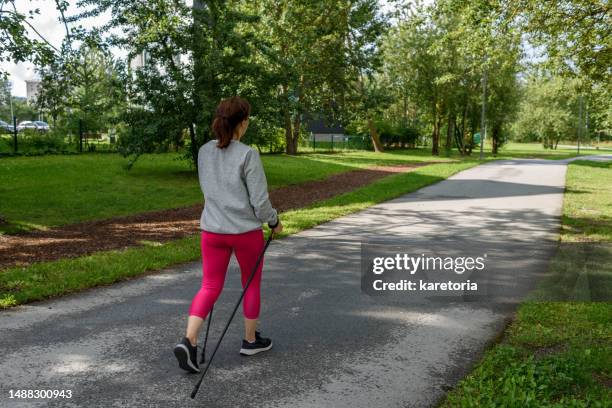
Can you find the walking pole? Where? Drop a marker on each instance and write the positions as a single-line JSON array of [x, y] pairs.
[[203, 357], [197, 386]]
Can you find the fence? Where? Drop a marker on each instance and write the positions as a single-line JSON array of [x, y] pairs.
[[331, 142], [33, 141]]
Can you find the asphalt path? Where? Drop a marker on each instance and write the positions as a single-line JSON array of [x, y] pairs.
[[334, 345]]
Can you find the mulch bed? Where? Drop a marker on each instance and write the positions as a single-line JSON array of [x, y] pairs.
[[74, 240]]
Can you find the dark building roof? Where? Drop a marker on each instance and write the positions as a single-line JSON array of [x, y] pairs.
[[321, 126]]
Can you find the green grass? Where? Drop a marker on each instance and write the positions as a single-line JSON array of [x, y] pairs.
[[536, 150], [42, 280], [587, 212], [559, 353], [46, 191]]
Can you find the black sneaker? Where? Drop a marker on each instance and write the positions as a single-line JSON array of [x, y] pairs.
[[187, 355], [260, 344]]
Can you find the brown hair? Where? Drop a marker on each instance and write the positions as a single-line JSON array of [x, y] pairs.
[[230, 113]]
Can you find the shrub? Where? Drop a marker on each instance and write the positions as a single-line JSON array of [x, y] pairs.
[[33, 141], [397, 136]]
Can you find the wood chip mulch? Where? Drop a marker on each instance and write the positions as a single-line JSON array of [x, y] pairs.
[[74, 240]]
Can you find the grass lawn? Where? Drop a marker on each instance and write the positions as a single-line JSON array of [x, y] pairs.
[[536, 150], [559, 353], [38, 281], [45, 191]]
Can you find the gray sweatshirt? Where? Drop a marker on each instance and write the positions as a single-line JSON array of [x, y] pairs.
[[235, 189]]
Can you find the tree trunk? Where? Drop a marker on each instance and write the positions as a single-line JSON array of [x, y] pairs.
[[194, 146], [292, 133], [450, 131], [494, 144], [459, 141], [405, 111], [435, 141], [462, 131], [435, 137], [495, 139], [290, 148], [296, 132], [374, 136]]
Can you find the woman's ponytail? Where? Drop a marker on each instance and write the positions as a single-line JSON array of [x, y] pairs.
[[230, 113]]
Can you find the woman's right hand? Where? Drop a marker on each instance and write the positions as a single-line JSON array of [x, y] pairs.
[[279, 228]]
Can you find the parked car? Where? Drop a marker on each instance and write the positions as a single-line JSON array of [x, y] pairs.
[[26, 125], [6, 127], [33, 125], [43, 126]]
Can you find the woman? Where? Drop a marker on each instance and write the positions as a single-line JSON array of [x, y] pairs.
[[236, 204]]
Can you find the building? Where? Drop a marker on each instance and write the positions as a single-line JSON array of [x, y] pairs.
[[139, 60], [32, 88], [324, 132], [142, 59]]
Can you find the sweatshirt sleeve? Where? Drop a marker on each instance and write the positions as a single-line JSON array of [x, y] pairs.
[[257, 186]]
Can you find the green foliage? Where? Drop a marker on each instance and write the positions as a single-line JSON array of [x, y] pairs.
[[265, 136], [147, 132], [314, 53], [194, 56], [32, 141], [21, 109], [18, 42], [549, 110], [396, 136], [435, 59], [421, 67], [574, 34]]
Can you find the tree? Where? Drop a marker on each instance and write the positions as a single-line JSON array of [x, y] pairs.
[[315, 53], [549, 109], [297, 45], [54, 90], [195, 56], [16, 44], [437, 57], [96, 93], [411, 63], [575, 34], [364, 29], [84, 87]]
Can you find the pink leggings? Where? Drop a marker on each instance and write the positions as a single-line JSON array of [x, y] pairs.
[[216, 252]]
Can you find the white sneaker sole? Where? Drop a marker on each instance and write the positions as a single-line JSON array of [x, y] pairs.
[[182, 354], [252, 352]]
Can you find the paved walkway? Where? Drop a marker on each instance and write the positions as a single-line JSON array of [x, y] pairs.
[[334, 345]]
